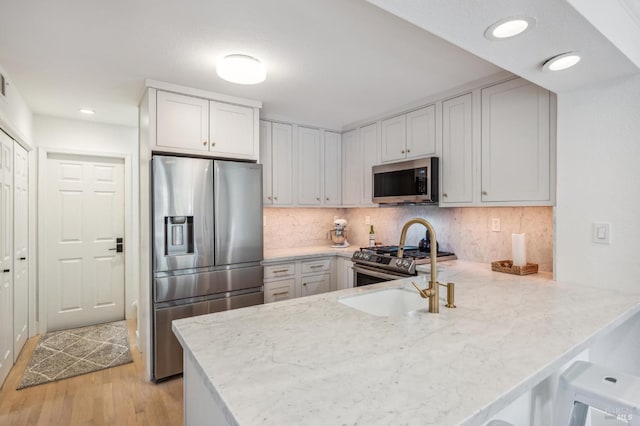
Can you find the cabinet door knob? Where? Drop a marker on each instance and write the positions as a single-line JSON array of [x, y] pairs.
[[213, 144], [9, 270], [402, 151], [304, 284], [275, 198], [317, 198], [269, 197], [204, 143], [23, 258], [327, 198], [445, 195], [484, 193], [408, 151]]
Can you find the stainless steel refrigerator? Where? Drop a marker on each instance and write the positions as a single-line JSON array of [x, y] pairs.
[[207, 245]]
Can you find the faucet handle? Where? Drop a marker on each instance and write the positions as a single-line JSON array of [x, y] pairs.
[[422, 292]]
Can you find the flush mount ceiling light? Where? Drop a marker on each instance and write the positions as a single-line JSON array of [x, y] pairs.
[[241, 69], [509, 27], [561, 62], [87, 111]]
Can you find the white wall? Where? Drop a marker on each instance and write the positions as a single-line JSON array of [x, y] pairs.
[[81, 136], [599, 181], [15, 115]]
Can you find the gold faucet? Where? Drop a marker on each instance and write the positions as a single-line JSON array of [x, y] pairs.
[[431, 292]]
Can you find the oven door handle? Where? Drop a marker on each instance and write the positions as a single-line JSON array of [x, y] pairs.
[[376, 274]]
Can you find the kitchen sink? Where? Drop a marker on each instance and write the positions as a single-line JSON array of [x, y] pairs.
[[387, 302]]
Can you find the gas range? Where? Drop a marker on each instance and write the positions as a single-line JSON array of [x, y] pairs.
[[385, 257]]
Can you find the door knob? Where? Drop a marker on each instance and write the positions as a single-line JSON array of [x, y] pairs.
[[119, 248]]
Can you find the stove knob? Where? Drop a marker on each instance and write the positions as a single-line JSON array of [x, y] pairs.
[[398, 262], [367, 256], [406, 263]]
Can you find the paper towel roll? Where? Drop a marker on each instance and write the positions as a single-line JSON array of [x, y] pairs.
[[518, 249]]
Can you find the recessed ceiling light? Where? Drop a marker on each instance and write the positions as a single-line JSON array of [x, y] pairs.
[[87, 111], [241, 69], [509, 27], [561, 62]]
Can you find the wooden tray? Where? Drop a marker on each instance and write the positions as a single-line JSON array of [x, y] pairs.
[[508, 267]]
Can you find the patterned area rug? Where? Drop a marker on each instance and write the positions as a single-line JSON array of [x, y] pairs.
[[69, 353]]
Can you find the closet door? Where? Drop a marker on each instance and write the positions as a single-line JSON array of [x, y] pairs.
[[20, 249], [6, 255]]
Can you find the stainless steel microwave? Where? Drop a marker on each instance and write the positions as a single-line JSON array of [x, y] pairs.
[[408, 182]]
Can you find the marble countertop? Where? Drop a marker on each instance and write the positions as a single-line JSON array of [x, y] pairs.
[[301, 253], [315, 361]]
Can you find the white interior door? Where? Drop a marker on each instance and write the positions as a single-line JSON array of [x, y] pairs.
[[20, 249], [6, 255], [84, 208]]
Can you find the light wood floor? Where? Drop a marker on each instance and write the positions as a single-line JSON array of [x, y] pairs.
[[115, 396]]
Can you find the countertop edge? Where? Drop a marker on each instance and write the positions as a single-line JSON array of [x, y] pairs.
[[302, 253]]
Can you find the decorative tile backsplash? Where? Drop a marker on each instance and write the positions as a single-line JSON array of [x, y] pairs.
[[465, 231]]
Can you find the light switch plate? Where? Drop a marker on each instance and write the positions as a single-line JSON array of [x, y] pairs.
[[601, 233], [495, 224], [367, 220]]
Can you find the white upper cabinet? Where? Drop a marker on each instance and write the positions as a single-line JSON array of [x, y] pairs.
[[515, 143], [394, 138], [282, 164], [189, 124], [301, 165], [309, 166], [266, 161], [456, 162], [421, 132], [369, 147], [359, 155], [352, 183], [412, 135], [231, 130], [332, 168], [182, 122], [276, 157]]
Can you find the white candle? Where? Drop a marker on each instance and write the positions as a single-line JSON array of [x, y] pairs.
[[518, 249]]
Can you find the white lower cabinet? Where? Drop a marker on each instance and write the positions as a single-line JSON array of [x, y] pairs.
[[344, 273], [279, 282], [286, 280], [275, 291], [314, 284], [315, 277]]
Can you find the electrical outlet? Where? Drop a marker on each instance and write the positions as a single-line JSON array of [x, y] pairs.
[[495, 224], [367, 220], [601, 233]]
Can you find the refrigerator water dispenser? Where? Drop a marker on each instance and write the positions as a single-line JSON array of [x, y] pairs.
[[178, 231]]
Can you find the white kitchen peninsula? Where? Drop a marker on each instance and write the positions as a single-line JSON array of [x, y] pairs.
[[313, 360]]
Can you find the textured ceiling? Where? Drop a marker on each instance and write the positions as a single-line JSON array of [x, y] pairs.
[[330, 62]]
